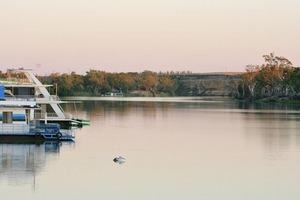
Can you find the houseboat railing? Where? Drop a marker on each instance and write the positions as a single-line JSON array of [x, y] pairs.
[[51, 115], [33, 98], [14, 81], [21, 98], [55, 98], [14, 128]]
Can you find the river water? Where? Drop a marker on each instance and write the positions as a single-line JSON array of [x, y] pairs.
[[175, 148]]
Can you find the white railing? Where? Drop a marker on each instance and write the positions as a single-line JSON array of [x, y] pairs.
[[14, 129], [42, 115], [21, 98], [14, 81], [33, 98], [51, 115], [48, 98], [55, 98]]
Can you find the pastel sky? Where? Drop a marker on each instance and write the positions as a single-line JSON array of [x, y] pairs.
[[138, 35]]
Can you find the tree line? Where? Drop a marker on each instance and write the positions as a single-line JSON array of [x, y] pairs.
[[99, 83], [276, 78]]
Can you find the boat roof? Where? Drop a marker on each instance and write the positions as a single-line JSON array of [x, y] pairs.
[[24, 85], [29, 80], [17, 103]]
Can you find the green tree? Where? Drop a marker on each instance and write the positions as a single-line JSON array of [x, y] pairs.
[[274, 74], [270, 79], [95, 81], [76, 81], [293, 81], [249, 79], [126, 82], [167, 85], [149, 81]]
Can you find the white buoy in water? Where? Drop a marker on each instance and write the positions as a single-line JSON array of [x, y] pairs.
[[119, 160]]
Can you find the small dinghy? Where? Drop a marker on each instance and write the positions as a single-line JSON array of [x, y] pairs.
[[119, 160]]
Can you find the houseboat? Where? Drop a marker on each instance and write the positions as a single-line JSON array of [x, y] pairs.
[[17, 121], [23, 85]]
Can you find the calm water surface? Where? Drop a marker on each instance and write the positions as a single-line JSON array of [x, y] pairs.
[[174, 148]]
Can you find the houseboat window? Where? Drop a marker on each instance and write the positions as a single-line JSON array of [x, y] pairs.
[[7, 117]]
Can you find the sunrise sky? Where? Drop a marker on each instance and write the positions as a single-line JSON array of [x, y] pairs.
[[137, 35]]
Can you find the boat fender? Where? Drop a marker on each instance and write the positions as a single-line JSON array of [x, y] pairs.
[[59, 135], [38, 135]]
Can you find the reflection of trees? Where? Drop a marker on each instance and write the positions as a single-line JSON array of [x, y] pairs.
[[19, 163], [96, 109], [149, 107], [274, 131], [120, 108], [265, 106]]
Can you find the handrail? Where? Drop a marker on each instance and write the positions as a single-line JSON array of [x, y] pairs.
[[51, 115], [21, 98], [14, 128], [14, 81], [33, 98], [49, 98]]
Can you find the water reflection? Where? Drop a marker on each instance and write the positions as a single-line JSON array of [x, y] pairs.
[[266, 106], [146, 107], [194, 150], [274, 131], [21, 162]]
